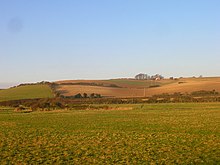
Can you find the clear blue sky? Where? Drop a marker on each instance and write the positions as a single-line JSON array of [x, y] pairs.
[[99, 39]]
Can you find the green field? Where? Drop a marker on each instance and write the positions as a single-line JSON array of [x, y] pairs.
[[26, 92], [152, 133]]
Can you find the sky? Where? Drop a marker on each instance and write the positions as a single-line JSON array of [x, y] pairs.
[[101, 39]]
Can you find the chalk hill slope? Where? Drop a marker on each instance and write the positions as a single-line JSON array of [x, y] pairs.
[[137, 88]]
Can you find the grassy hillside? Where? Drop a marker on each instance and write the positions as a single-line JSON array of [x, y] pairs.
[[26, 92], [146, 134]]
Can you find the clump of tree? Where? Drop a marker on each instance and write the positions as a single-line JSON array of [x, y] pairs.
[[84, 95], [78, 95], [95, 95], [143, 76]]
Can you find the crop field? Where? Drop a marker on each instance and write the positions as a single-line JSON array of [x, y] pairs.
[[126, 134], [189, 85], [26, 92], [71, 90]]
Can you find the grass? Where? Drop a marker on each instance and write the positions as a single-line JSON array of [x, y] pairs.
[[148, 134], [26, 92]]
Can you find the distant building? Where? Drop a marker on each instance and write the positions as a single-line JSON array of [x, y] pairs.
[[157, 77]]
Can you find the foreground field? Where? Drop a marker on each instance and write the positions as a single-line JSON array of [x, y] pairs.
[[151, 133], [26, 92]]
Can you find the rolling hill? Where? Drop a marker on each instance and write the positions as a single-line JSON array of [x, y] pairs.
[[26, 92], [113, 88], [137, 88]]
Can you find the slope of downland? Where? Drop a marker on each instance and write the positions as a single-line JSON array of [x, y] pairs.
[[109, 88], [139, 88], [26, 92]]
